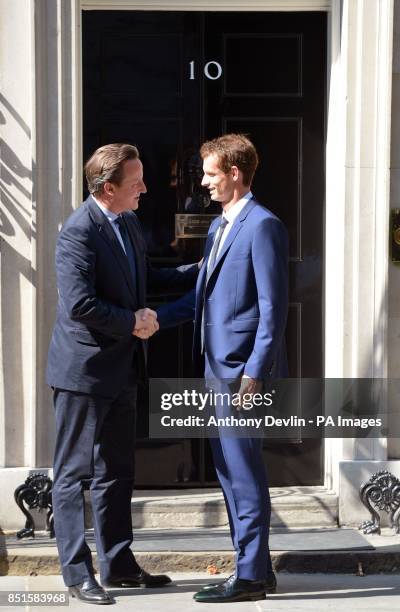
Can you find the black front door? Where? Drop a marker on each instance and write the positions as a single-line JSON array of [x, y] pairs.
[[167, 81]]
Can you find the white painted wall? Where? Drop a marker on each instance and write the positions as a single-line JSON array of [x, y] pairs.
[[18, 234], [394, 269]]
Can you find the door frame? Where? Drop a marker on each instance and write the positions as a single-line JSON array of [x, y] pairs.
[[343, 22]]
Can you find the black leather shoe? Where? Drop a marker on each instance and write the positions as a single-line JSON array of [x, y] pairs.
[[232, 590], [90, 591], [142, 579], [269, 583]]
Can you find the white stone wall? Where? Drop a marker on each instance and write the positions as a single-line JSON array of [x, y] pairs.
[[365, 67], [40, 185], [394, 269], [18, 235]]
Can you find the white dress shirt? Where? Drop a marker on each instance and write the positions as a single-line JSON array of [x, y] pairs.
[[112, 217], [230, 216]]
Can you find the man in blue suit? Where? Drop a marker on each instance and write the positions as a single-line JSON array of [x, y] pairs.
[[97, 355], [240, 308]]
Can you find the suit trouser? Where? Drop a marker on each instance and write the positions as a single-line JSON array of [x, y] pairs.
[[95, 439], [240, 469]]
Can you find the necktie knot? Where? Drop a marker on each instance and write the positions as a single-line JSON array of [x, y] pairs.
[[223, 224], [120, 222]]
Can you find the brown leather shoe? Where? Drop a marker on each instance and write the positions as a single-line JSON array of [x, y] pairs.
[[90, 591], [142, 579]]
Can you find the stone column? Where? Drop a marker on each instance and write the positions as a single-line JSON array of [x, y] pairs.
[[19, 234], [39, 186], [366, 64], [58, 174], [394, 268]]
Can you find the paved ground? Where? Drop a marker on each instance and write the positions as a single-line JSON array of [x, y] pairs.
[[318, 592]]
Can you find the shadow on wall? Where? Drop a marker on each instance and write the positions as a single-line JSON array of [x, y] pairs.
[[17, 233], [32, 207]]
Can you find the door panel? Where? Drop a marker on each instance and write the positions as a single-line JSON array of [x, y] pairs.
[[167, 81]]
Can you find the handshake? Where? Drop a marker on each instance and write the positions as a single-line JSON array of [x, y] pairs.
[[145, 323]]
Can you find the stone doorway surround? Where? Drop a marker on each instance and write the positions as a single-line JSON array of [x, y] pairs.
[[40, 180]]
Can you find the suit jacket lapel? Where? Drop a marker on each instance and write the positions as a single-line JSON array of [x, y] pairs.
[[107, 232], [235, 229]]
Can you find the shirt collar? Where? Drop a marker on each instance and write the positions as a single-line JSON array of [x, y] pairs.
[[110, 215], [233, 212]]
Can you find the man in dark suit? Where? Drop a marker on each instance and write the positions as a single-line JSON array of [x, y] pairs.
[[96, 356], [240, 308]]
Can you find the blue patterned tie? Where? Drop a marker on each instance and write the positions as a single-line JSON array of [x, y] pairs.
[[210, 268], [214, 250], [129, 252]]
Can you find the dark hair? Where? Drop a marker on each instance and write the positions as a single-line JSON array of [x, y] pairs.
[[106, 165], [233, 150]]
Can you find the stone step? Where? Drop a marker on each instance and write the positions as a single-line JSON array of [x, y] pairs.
[[330, 550], [291, 507], [172, 509], [45, 562]]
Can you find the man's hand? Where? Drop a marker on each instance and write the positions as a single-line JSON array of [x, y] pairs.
[[248, 386], [146, 323]]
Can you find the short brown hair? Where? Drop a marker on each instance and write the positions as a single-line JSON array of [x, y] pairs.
[[106, 165], [233, 150]]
